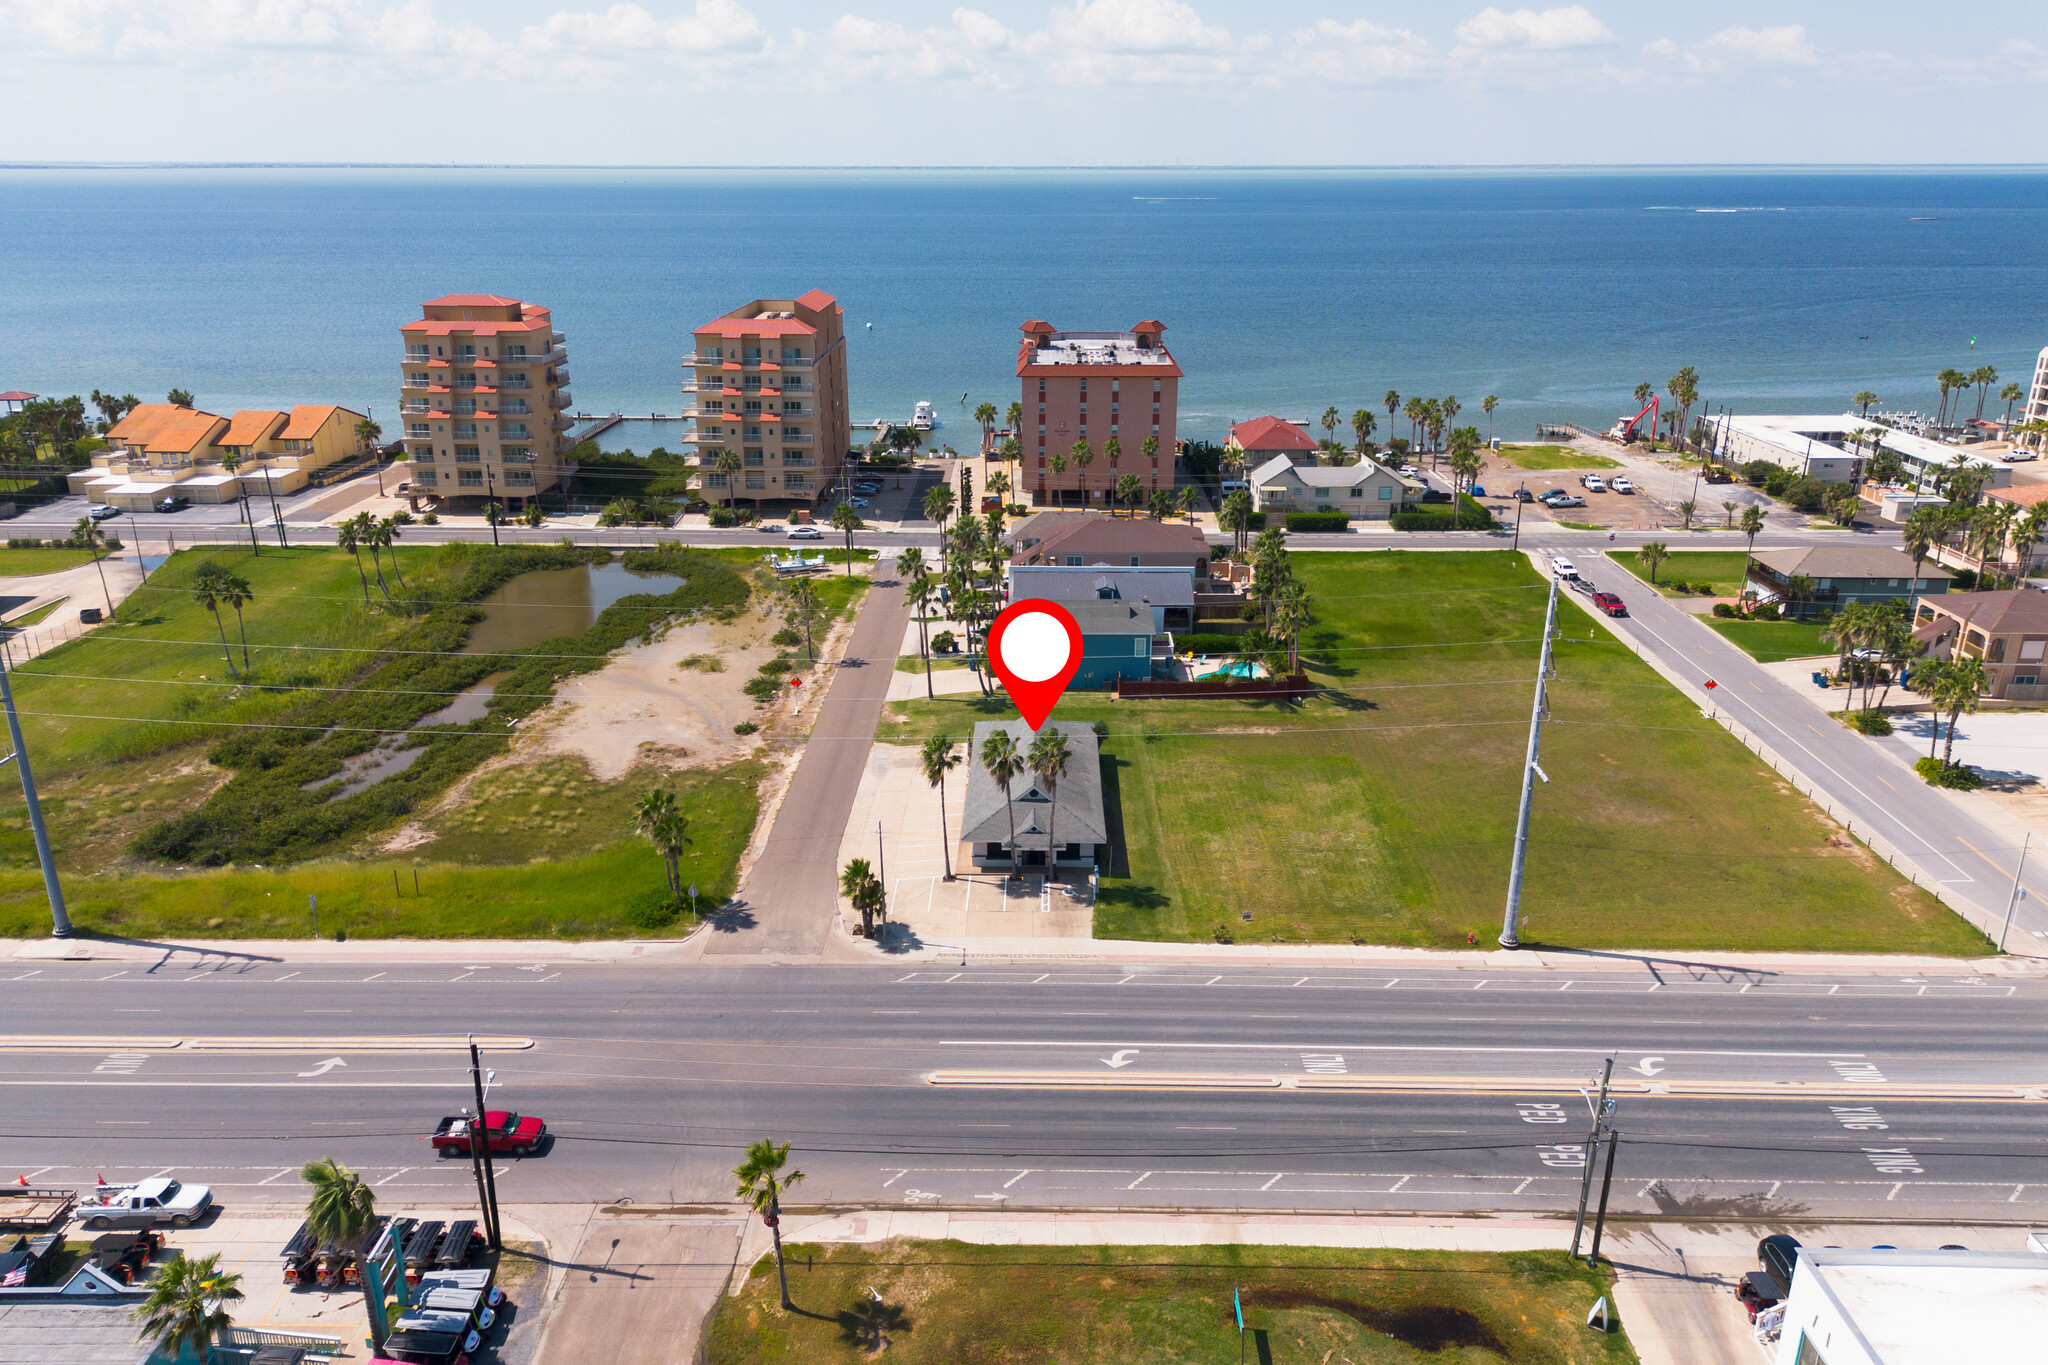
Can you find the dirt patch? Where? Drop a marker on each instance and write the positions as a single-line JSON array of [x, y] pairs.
[[641, 706], [1428, 1329]]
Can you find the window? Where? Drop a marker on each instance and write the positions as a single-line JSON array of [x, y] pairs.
[[423, 476], [1386, 493], [1073, 561], [467, 454], [416, 429], [1134, 561], [516, 430], [1141, 647], [752, 458], [1358, 492], [2030, 651], [2026, 680], [517, 478], [1809, 1354], [715, 479], [756, 480], [470, 478], [416, 353]]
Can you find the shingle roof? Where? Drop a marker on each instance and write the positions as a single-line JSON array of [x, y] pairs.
[[1846, 561], [1104, 536], [2026, 495], [1110, 618], [1321, 476], [1080, 817], [180, 433], [2012, 610], [1041, 524], [307, 419], [142, 422], [1271, 433], [1163, 585], [251, 425]]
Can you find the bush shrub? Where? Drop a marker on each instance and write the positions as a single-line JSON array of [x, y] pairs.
[[1965, 580], [1317, 521], [745, 727], [1724, 610], [1221, 934], [945, 642], [1757, 471], [1870, 722], [784, 638], [651, 909], [1956, 776], [775, 667]]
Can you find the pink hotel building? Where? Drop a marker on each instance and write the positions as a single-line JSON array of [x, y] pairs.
[[1135, 387]]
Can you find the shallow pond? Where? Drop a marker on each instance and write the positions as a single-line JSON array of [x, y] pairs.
[[540, 605]]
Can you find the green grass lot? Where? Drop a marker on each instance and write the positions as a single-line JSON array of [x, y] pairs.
[[38, 616], [1722, 568], [965, 1304], [501, 868], [28, 562], [1769, 641], [914, 663], [1383, 809], [1552, 457]]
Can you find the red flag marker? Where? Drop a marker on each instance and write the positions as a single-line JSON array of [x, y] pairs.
[[1035, 648]]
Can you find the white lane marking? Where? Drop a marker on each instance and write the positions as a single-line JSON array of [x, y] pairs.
[[110, 976], [1042, 977], [279, 1176], [1271, 1183], [397, 1173], [1212, 981], [1361, 1047], [1015, 1178], [894, 1178], [26, 975], [1141, 1179], [368, 979], [287, 976]]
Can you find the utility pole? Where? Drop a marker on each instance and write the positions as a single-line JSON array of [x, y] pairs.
[[1606, 1184], [1511, 922], [1592, 1146], [1519, 505], [60, 921], [2012, 899], [481, 1148]]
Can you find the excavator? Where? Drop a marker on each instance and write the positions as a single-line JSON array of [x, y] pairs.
[[1625, 432]]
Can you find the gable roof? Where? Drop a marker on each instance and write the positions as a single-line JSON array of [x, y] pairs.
[[251, 425], [1100, 537], [185, 431], [817, 300], [142, 422], [1158, 585], [307, 419], [1998, 613], [2026, 495], [1041, 524], [1846, 561], [986, 817], [1110, 618], [1321, 476], [1271, 433]]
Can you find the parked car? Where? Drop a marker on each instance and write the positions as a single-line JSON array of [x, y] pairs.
[[1477, 490], [1567, 500], [99, 511], [1524, 495], [1409, 471], [1593, 483], [158, 1200], [1550, 495], [867, 486], [1610, 604], [173, 503], [503, 1132], [424, 1345], [1620, 484], [805, 533], [1562, 567], [1771, 1283], [1435, 495]]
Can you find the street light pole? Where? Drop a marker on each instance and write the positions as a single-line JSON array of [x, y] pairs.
[[1511, 921], [481, 1143], [2012, 898], [60, 921], [1592, 1146]]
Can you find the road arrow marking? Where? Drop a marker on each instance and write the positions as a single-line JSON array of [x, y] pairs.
[[325, 1067], [1649, 1066], [1122, 1058]]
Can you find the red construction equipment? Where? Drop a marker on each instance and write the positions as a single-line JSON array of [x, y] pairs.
[[1625, 432]]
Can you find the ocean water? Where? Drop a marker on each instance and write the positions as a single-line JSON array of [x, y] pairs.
[[1283, 292]]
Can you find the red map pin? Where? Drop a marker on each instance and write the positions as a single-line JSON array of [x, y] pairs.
[[1035, 648]]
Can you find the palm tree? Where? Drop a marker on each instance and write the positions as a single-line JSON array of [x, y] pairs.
[[846, 521], [1930, 679], [229, 464], [494, 517], [1330, 420], [937, 759], [186, 1310], [1013, 418], [1083, 455], [1049, 757], [1963, 686], [1113, 450], [386, 535], [1001, 760], [1413, 410], [1863, 401], [1235, 516], [365, 527], [1924, 529], [1129, 490], [1752, 526], [985, 413], [1448, 411], [341, 1207], [2011, 393], [348, 535], [234, 591], [938, 506], [1290, 615], [1187, 497], [727, 462], [1984, 376], [2026, 534], [858, 883], [923, 590], [762, 1184], [1686, 510], [1058, 465], [1487, 405], [89, 534], [1729, 508], [207, 592], [667, 828], [802, 596], [1363, 423], [1684, 388], [1653, 554]]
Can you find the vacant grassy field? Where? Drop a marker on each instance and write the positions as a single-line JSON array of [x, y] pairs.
[[27, 562], [964, 1304], [1552, 457], [1722, 568], [480, 880], [1769, 641], [1382, 811]]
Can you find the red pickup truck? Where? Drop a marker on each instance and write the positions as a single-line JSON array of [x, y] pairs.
[[1610, 604], [504, 1132]]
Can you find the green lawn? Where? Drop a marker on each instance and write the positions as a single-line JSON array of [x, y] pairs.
[[38, 616], [914, 663], [928, 1303], [1722, 568], [28, 562], [1382, 811], [1552, 457], [1769, 641]]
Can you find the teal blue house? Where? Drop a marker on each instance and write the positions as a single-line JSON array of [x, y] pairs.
[[1116, 642]]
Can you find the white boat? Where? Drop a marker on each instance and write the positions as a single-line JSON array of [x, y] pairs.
[[921, 420]]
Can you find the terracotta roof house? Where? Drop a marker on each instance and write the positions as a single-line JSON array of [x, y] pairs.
[[2008, 630], [1077, 821], [1840, 574], [1116, 541], [1259, 440]]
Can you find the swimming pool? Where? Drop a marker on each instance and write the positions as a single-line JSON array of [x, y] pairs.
[[1236, 668]]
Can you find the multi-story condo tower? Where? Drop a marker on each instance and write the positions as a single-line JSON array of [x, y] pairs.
[[766, 387], [485, 399], [1094, 388], [2036, 409]]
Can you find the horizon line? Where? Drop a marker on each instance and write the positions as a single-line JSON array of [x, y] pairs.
[[1597, 166]]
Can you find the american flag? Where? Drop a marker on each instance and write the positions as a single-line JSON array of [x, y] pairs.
[[17, 1276]]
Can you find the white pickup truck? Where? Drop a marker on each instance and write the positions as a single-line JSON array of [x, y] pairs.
[[159, 1200]]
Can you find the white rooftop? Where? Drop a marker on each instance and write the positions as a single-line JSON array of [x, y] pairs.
[[1796, 432], [1098, 348], [1938, 1307]]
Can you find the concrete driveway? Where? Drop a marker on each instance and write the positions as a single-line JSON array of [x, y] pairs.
[[640, 1289]]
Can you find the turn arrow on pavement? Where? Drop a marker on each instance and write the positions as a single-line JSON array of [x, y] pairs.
[[325, 1067], [1649, 1066], [1122, 1058]]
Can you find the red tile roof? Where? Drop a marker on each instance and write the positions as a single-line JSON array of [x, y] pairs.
[[818, 301], [440, 327], [757, 327], [251, 425], [15, 396], [1150, 325], [471, 301], [307, 419], [185, 431], [1271, 433], [141, 423], [2026, 495]]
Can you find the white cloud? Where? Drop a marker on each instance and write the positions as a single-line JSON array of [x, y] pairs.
[[624, 30], [1552, 30], [1362, 53], [973, 48], [1138, 42], [1738, 48]]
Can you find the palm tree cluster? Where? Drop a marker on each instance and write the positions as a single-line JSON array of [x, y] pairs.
[[363, 531], [1984, 532], [1875, 640], [1684, 388], [1283, 604], [636, 512], [971, 547], [661, 819], [215, 586], [1954, 687], [1958, 382]]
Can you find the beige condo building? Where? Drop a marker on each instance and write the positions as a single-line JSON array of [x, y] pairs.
[[767, 383], [159, 450], [485, 399]]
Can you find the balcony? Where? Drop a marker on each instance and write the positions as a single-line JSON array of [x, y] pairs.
[[465, 431], [794, 438], [509, 457], [559, 378], [562, 399], [413, 407], [514, 381], [563, 421], [798, 462], [555, 356]]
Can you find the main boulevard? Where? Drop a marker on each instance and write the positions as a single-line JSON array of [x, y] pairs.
[[1743, 1092]]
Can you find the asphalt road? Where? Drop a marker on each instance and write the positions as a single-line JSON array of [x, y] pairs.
[[1741, 1094]]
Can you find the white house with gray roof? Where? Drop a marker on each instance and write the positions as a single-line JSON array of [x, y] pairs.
[[1070, 812], [1364, 491], [1168, 589]]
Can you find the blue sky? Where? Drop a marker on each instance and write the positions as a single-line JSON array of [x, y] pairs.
[[1085, 82]]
